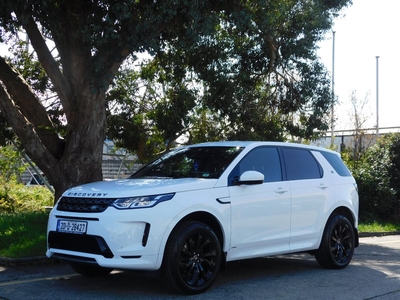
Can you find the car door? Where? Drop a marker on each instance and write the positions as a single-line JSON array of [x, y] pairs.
[[310, 191], [260, 217]]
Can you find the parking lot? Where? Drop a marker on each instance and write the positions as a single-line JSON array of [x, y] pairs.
[[374, 273]]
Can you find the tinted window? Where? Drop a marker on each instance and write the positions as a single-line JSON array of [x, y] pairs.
[[336, 163], [300, 164], [201, 162], [264, 160]]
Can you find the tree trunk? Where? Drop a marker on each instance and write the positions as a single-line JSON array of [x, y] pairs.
[[78, 158], [81, 161]]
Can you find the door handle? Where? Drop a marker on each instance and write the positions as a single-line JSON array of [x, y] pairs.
[[323, 186], [281, 191]]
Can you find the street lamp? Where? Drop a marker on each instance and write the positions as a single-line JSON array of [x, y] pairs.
[[333, 92], [377, 96]]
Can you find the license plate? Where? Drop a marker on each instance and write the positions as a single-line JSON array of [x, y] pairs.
[[71, 226]]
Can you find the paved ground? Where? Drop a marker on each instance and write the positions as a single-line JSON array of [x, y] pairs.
[[374, 273]]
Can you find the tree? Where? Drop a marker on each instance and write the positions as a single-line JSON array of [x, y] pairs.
[[148, 109], [93, 38], [358, 116], [254, 77]]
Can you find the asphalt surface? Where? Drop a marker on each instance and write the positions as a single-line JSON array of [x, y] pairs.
[[374, 273]]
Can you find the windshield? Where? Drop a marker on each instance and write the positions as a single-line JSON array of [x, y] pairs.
[[199, 162]]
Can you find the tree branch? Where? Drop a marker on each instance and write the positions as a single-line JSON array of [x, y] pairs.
[[29, 106], [24, 130], [49, 64]]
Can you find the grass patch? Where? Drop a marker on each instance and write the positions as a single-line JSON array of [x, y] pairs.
[[23, 219], [23, 234], [378, 227]]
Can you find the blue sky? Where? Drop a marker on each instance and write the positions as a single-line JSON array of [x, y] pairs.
[[369, 28]]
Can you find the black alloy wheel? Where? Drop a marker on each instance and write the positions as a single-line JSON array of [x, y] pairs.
[[192, 258], [337, 245]]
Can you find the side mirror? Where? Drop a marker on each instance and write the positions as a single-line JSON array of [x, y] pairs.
[[250, 178]]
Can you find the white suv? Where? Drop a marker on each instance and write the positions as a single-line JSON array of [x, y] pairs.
[[195, 208]]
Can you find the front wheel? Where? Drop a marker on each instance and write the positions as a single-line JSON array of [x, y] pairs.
[[192, 258], [337, 244]]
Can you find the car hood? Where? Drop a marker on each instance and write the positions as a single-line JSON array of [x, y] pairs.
[[138, 187]]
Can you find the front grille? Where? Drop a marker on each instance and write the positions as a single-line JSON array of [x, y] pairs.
[[80, 243], [89, 205]]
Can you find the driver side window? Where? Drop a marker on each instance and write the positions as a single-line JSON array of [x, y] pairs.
[[264, 160]]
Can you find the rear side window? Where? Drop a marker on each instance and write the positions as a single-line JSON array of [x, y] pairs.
[[300, 164], [337, 163]]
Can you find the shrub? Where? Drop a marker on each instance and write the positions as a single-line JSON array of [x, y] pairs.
[[378, 181], [10, 163], [18, 198]]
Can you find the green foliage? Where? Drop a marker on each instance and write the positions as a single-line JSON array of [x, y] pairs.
[[130, 111], [5, 132], [248, 71], [29, 67], [10, 163], [379, 227], [377, 176], [18, 198]]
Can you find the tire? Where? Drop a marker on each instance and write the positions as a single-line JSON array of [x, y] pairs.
[[337, 244], [90, 270], [192, 258]]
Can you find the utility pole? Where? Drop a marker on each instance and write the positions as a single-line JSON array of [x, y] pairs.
[[377, 97], [333, 92]]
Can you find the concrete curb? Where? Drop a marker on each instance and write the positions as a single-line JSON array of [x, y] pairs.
[[44, 260], [377, 234]]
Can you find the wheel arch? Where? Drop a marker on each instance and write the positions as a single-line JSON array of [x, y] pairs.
[[345, 211], [211, 221]]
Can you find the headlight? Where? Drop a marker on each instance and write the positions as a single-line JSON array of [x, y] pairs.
[[142, 201]]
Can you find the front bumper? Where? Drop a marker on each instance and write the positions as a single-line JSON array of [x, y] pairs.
[[114, 238]]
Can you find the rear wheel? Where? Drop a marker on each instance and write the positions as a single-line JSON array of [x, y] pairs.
[[337, 244], [90, 270], [192, 258]]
